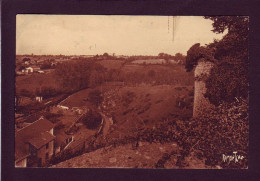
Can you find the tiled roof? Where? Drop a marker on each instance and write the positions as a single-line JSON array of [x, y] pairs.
[[36, 134], [41, 139]]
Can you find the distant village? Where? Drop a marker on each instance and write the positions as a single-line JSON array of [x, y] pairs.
[[27, 64]]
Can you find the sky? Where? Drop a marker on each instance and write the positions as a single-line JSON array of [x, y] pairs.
[[122, 35]]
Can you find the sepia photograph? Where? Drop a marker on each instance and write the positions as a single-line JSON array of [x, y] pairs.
[[131, 91]]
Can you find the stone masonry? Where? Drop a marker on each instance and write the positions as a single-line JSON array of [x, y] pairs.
[[202, 71]]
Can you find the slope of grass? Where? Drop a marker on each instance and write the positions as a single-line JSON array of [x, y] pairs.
[[34, 81]]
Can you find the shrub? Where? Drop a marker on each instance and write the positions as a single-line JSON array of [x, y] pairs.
[[92, 119], [221, 131], [229, 77], [197, 52], [128, 97], [226, 83]]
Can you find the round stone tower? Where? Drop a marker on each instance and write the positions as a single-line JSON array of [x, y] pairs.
[[202, 71]]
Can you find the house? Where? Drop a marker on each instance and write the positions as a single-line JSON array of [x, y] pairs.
[[28, 70], [34, 144], [38, 98], [40, 72]]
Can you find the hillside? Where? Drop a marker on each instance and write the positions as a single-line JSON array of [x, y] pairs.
[[146, 155]]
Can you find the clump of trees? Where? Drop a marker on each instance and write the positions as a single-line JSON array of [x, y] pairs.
[[227, 89], [196, 53], [47, 92], [77, 75], [127, 98], [177, 57], [26, 60], [229, 77], [92, 119], [232, 55]]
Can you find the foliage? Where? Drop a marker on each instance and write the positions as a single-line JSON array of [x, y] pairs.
[[78, 75], [47, 92], [128, 97], [219, 89], [92, 119], [96, 78], [105, 55], [180, 57], [164, 56], [26, 60], [196, 53], [221, 131], [229, 77]]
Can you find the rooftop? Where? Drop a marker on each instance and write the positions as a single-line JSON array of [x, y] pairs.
[[37, 134]]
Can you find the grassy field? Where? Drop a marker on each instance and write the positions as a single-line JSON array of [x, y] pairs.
[[151, 61], [147, 102], [143, 104], [33, 81], [111, 64]]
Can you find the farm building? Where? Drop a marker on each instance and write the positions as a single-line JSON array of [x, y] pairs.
[[63, 107], [28, 70], [40, 72], [38, 98], [34, 144]]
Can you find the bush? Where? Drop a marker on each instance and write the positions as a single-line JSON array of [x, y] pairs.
[[92, 119], [128, 97], [197, 52], [221, 131], [227, 82]]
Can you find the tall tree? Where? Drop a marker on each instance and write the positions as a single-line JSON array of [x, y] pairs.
[[229, 76]]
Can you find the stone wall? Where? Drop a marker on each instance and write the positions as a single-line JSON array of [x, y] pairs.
[[201, 104]]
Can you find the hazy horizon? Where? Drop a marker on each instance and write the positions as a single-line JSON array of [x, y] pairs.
[[122, 35]]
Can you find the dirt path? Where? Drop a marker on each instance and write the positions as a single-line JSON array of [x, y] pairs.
[[107, 123]]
